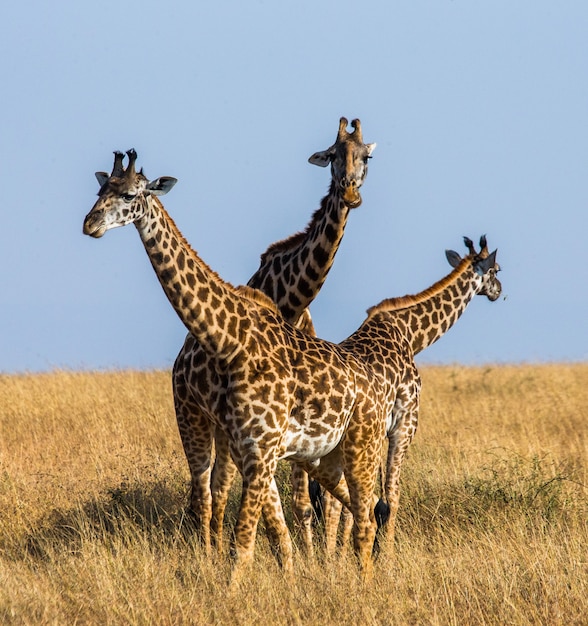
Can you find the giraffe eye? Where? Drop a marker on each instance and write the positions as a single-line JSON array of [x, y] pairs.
[[128, 197]]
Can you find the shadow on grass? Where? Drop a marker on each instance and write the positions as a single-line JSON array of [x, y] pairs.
[[154, 511], [531, 490]]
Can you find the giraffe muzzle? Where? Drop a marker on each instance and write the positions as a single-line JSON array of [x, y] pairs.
[[351, 196], [495, 293], [94, 226]]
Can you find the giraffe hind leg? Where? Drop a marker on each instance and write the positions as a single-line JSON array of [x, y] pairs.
[[399, 441]]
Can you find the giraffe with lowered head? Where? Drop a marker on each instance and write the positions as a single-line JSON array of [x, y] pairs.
[[291, 273], [288, 395]]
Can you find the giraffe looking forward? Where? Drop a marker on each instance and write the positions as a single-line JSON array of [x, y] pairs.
[[291, 273], [288, 395]]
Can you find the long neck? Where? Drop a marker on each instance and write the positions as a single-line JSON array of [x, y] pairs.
[[292, 271], [426, 317], [209, 307]]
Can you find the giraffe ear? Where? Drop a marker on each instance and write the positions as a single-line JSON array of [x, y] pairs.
[[323, 158], [370, 148], [160, 186], [101, 177], [483, 265], [453, 258]]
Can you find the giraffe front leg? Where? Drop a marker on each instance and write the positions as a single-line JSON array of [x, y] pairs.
[[255, 491], [336, 504], [345, 529], [223, 475], [357, 509], [196, 435], [338, 524], [277, 530], [258, 464], [332, 514], [361, 465], [364, 526], [302, 508]]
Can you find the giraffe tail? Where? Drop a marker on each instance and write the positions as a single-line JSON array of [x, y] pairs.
[[382, 513], [382, 508]]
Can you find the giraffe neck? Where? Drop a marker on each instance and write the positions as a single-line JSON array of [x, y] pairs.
[[210, 308], [292, 271], [427, 316]]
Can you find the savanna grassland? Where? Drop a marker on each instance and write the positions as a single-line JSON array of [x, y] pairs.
[[492, 526]]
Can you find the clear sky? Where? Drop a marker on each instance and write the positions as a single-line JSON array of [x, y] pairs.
[[479, 110]]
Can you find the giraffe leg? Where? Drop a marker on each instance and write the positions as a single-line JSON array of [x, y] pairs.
[[361, 465], [223, 475], [335, 498], [358, 501], [255, 491], [336, 503], [346, 525], [399, 440], [364, 527], [196, 435], [277, 530], [302, 508], [332, 513], [257, 463]]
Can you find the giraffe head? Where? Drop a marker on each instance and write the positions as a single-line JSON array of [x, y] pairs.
[[348, 157], [122, 196], [484, 264]]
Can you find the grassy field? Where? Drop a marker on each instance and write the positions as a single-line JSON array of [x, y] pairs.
[[492, 527]]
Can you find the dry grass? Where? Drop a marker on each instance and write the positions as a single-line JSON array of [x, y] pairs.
[[492, 527]]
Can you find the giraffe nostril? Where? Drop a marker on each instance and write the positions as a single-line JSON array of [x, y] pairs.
[[348, 182]]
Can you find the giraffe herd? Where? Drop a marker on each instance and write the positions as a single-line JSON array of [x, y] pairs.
[[254, 385]]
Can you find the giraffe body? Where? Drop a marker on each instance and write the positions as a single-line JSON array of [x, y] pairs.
[[284, 394], [394, 332], [291, 273]]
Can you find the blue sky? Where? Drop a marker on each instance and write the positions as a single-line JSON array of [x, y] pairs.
[[479, 110]]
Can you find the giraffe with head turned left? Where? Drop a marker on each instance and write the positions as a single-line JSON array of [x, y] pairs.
[[288, 395], [291, 273]]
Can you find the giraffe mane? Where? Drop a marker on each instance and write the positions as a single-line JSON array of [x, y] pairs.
[[257, 296], [186, 244], [249, 293], [296, 239], [403, 302]]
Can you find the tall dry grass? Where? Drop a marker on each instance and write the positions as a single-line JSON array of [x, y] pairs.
[[492, 527]]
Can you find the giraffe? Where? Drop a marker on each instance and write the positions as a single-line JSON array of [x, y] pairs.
[[400, 328], [291, 273], [288, 395]]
